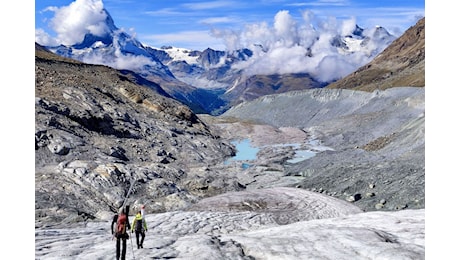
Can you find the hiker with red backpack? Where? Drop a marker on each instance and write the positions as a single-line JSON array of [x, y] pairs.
[[121, 232]]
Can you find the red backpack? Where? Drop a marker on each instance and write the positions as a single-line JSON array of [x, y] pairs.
[[121, 225]]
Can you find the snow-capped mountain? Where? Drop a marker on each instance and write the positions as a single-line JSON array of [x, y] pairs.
[[109, 47], [211, 81], [115, 48], [239, 73], [238, 76]]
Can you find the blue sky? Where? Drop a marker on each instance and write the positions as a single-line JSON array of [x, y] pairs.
[[188, 24]]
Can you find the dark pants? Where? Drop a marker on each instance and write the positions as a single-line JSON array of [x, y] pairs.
[[142, 234], [123, 250]]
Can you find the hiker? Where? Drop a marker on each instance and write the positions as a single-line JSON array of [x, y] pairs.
[[120, 233], [140, 226]]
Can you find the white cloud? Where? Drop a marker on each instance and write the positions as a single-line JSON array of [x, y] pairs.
[[333, 67], [165, 12], [43, 38], [118, 60], [292, 46], [210, 5], [285, 28], [348, 26], [214, 20], [72, 22]]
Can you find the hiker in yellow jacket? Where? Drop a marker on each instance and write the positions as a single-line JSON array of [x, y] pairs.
[[140, 226]]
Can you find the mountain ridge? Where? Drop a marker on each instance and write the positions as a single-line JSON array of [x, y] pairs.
[[206, 83], [402, 63]]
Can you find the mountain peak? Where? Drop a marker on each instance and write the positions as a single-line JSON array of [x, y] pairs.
[[103, 34]]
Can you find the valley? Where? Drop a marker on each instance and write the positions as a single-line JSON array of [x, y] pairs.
[[106, 137]]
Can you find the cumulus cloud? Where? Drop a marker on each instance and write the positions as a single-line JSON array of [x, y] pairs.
[[44, 38], [81, 17], [71, 23], [118, 60], [295, 46]]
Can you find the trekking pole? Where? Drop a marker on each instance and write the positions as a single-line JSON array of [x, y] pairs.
[[131, 237], [132, 249], [127, 195], [124, 205]]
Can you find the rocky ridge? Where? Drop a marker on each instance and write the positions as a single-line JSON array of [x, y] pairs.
[[97, 134], [402, 63]]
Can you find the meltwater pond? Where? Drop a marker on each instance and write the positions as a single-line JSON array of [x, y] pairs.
[[244, 152]]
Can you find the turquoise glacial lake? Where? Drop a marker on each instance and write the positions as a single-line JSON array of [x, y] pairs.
[[245, 152]]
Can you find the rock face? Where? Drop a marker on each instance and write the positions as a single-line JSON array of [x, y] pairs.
[[98, 135]]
